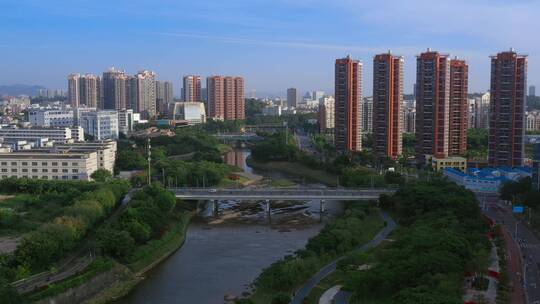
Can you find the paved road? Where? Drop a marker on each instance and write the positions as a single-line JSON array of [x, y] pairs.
[[304, 291], [283, 193], [523, 254]]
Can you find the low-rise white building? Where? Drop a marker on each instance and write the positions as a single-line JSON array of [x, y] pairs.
[[51, 117], [106, 151], [53, 134], [47, 165]]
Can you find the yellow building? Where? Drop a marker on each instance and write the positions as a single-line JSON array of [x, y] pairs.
[[456, 162]]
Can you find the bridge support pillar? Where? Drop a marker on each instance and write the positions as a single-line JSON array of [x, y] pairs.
[[215, 208], [322, 209], [268, 210]]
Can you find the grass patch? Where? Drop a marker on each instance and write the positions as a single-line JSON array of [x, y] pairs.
[[223, 148], [282, 183], [328, 282], [296, 169], [227, 182], [155, 251]]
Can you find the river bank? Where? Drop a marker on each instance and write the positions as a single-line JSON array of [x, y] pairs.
[[149, 256], [227, 247], [107, 280], [282, 279], [296, 170]]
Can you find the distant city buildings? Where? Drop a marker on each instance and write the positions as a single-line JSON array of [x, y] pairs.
[[348, 104], [533, 121], [74, 90], [409, 116], [192, 88], [48, 93], [532, 91], [164, 96], [507, 109], [273, 110], [386, 105], [482, 111], [367, 115], [317, 95], [326, 114], [225, 97], [143, 93], [432, 105], [115, 90], [292, 97]]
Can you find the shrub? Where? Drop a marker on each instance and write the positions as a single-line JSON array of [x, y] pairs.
[[114, 242]]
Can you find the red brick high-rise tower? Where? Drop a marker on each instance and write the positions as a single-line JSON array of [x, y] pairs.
[[507, 109], [459, 79], [225, 97], [432, 105], [387, 100], [348, 107]]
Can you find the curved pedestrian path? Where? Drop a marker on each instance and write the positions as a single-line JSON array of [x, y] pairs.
[[304, 291]]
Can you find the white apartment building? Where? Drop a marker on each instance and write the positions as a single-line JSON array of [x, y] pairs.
[[125, 121], [51, 117], [367, 115], [53, 134], [46, 165], [102, 124], [271, 111], [533, 120]]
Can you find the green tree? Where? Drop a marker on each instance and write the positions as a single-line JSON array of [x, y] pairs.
[[281, 298], [115, 243], [101, 175], [130, 160]]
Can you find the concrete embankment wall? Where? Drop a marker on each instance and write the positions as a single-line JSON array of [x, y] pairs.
[[85, 291]]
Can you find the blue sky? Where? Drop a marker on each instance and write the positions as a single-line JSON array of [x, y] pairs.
[[274, 44]]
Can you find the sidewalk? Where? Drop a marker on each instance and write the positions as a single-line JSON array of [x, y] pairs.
[[514, 268]]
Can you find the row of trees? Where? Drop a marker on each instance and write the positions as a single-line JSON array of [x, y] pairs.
[[442, 237], [190, 158], [39, 249], [355, 169]]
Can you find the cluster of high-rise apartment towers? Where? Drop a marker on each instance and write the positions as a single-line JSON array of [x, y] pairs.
[[224, 95], [441, 106]]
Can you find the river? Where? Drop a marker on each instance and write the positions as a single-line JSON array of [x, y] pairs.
[[223, 257]]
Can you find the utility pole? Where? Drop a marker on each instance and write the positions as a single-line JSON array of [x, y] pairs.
[[149, 163], [286, 132]]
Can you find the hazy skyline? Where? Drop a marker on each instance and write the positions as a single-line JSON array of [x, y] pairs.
[[273, 44]]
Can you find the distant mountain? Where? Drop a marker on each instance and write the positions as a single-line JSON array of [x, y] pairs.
[[20, 89]]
